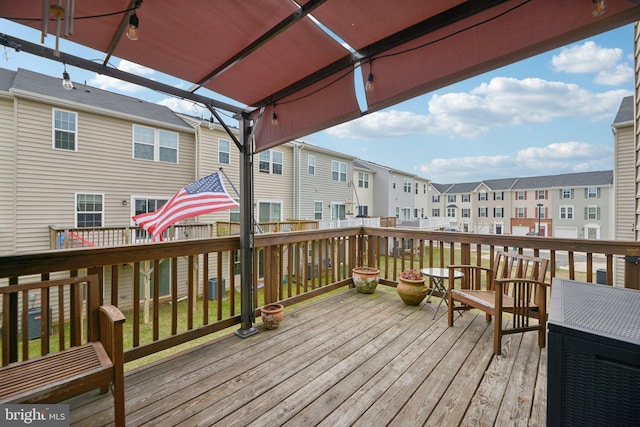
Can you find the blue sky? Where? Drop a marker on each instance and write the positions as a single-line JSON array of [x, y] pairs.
[[548, 114]]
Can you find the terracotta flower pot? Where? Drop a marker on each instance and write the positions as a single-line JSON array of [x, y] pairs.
[[271, 315], [365, 279], [412, 292]]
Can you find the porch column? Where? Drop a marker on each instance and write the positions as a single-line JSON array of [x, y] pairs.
[[247, 314]]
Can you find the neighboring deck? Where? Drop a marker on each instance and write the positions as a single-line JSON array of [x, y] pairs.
[[348, 359]]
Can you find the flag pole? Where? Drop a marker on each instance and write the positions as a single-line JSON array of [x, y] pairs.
[[247, 314], [253, 219]]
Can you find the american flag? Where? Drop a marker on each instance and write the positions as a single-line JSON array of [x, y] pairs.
[[203, 196]]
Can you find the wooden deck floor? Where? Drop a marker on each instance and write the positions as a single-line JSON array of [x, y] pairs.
[[349, 359]]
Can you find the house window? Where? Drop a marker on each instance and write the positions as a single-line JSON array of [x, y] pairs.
[[311, 165], [498, 212], [393, 183], [482, 195], [270, 161], [236, 262], [223, 151], [338, 171], [65, 130], [451, 198], [592, 212], [89, 210], [498, 195], [566, 193], [540, 212], [424, 188], [416, 213], [466, 197], [521, 195], [363, 210], [451, 212], [466, 213], [269, 212], [317, 211], [406, 185], [338, 211], [541, 194], [155, 144], [397, 212], [435, 212], [417, 188], [521, 212], [592, 193], [363, 180], [406, 213], [483, 212], [566, 212], [234, 213], [435, 199]]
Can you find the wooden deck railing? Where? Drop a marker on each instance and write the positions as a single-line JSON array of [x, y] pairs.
[[67, 238], [196, 290]]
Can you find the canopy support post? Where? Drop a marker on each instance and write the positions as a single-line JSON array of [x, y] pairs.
[[247, 314]]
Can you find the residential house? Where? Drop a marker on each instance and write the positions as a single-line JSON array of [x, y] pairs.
[[363, 189], [458, 205], [499, 205], [626, 177], [323, 188]]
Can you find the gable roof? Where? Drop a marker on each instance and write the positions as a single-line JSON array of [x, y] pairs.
[[500, 184], [625, 112], [580, 179], [29, 82], [465, 187]]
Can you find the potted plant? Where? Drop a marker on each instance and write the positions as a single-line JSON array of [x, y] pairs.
[[411, 287], [271, 315], [365, 279]]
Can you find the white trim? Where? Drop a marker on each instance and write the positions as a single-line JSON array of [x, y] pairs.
[[53, 129]]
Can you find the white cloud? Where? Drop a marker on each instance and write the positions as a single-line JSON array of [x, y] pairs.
[[607, 64], [502, 101], [109, 83], [383, 124], [553, 159]]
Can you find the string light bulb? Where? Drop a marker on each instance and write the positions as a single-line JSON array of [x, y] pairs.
[[132, 29], [274, 116], [600, 6], [369, 85], [66, 80]]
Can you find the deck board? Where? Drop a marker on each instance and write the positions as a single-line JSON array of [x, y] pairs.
[[348, 359]]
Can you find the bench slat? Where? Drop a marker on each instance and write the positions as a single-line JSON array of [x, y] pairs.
[[43, 375]]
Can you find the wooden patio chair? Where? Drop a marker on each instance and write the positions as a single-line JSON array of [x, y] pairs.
[[515, 285]]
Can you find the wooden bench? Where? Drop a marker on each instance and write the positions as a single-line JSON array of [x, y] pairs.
[[514, 284], [81, 363]]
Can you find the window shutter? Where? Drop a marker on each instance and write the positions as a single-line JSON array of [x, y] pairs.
[[536, 193], [546, 212], [546, 194], [525, 211], [561, 193], [572, 193], [598, 213], [525, 195], [586, 193], [586, 213], [598, 193]]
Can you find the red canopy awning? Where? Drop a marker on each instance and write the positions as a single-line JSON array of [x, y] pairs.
[[269, 53]]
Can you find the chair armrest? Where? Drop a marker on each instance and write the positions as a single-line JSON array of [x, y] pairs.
[[111, 321]]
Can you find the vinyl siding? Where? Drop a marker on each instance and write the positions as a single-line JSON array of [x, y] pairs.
[[625, 184], [48, 179], [7, 176], [320, 186], [275, 188]]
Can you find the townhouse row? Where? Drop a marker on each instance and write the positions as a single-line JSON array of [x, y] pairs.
[[91, 158]]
